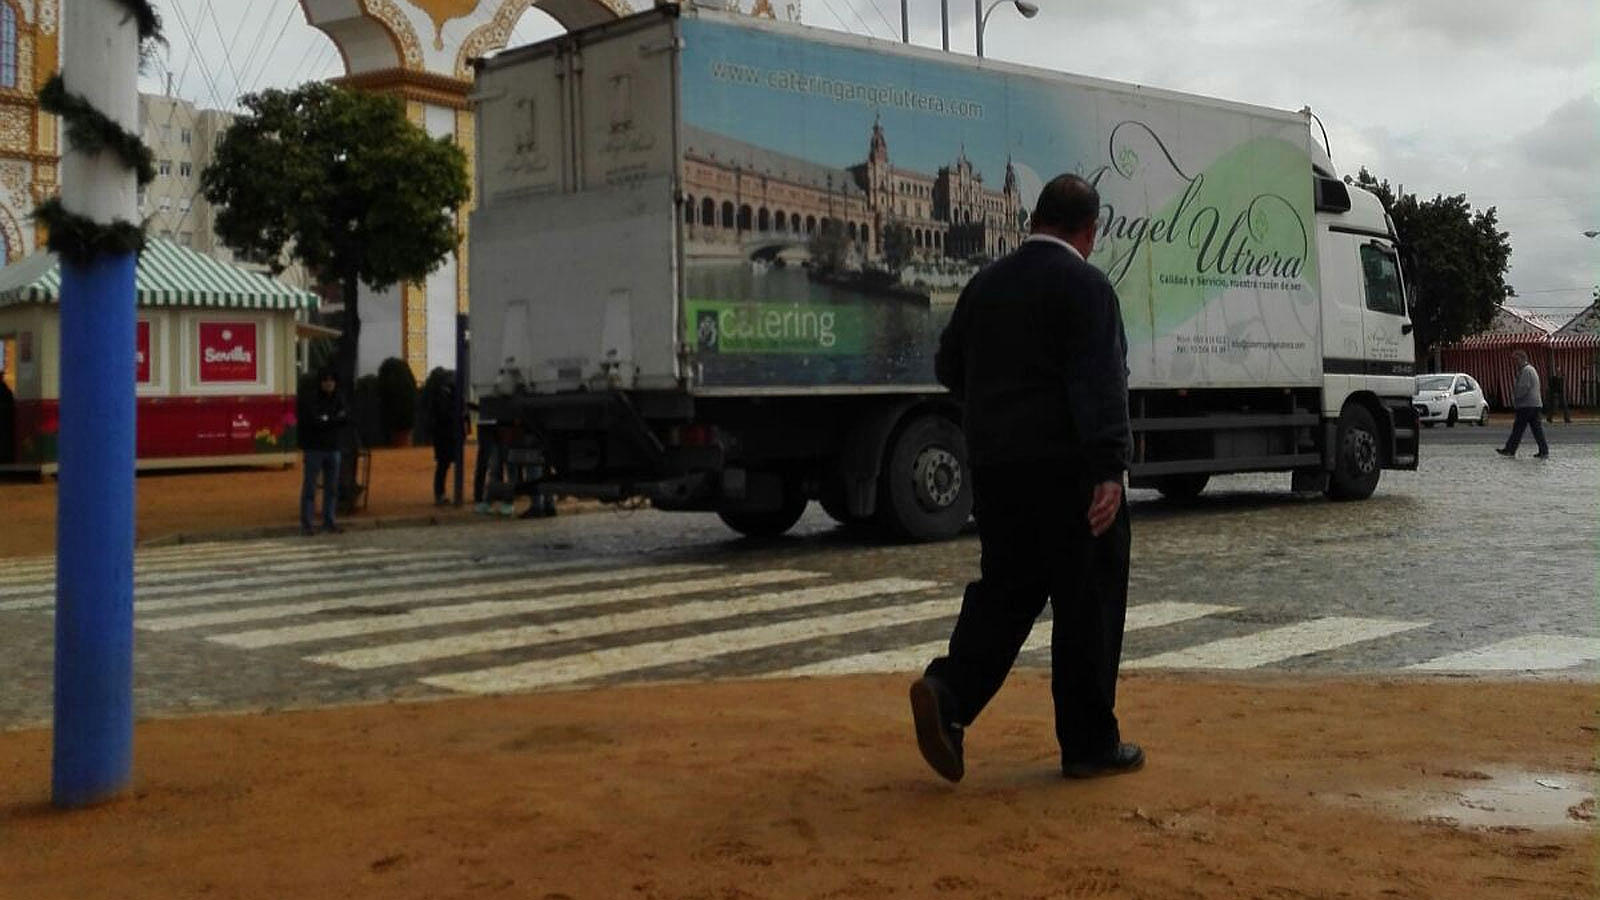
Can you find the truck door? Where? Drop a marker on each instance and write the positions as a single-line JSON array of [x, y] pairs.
[[1390, 350]]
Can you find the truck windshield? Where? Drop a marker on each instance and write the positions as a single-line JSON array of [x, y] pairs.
[[1434, 382]]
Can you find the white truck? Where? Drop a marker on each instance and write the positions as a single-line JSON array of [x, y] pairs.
[[711, 257]]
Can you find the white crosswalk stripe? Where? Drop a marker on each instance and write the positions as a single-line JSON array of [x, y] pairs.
[[913, 659], [45, 567], [704, 611], [343, 582], [178, 579], [616, 660], [1530, 652], [355, 602], [497, 609], [1275, 644]]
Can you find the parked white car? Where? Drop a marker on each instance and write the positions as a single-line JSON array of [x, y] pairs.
[[1450, 398]]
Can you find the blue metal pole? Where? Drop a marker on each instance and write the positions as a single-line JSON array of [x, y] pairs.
[[95, 533]]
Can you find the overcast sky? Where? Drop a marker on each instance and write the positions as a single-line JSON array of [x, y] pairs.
[[1497, 100]]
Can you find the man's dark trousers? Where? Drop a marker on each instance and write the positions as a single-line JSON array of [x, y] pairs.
[[1527, 417], [1034, 531], [325, 463]]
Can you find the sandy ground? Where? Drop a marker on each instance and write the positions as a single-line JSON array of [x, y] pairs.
[[233, 501], [1272, 788]]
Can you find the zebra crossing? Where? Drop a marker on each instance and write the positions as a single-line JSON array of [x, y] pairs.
[[492, 624]]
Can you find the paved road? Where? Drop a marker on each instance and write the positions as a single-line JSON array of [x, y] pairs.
[[1474, 564]]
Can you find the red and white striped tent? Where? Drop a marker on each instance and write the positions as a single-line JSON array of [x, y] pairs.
[[1487, 356]]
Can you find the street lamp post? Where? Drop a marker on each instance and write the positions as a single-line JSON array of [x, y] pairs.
[[1028, 10]]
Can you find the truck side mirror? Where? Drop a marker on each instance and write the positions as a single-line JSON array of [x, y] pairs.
[[1406, 328]]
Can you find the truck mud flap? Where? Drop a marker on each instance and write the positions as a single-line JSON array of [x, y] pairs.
[[1404, 433]]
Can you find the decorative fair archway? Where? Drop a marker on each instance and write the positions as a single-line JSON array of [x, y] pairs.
[[421, 51]]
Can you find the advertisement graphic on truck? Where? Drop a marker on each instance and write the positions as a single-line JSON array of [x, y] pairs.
[[922, 172]]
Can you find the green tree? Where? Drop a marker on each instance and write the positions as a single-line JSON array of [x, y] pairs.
[[344, 183], [897, 244], [829, 246], [397, 396], [1456, 259]]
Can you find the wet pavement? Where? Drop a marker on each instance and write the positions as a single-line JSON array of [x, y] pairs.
[[1473, 564]]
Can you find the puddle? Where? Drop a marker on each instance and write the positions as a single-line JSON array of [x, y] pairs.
[[1500, 800]]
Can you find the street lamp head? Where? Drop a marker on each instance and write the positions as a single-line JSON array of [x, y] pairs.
[[1591, 233], [1028, 10]]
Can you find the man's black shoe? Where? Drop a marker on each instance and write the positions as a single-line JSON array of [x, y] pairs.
[[333, 529], [1544, 455], [1504, 452], [938, 738], [1125, 758]]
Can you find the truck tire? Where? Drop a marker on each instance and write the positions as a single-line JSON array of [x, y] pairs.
[[1182, 488], [765, 523], [1358, 458], [926, 484]]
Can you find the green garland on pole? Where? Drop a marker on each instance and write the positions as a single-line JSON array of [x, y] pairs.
[[92, 131], [149, 20], [79, 239]]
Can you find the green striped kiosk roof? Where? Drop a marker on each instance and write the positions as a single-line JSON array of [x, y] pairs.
[[167, 275]]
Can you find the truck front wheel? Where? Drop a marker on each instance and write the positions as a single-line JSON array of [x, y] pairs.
[[926, 484], [1358, 459]]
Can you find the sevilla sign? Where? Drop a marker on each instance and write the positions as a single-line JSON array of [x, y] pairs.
[[142, 353], [228, 352]]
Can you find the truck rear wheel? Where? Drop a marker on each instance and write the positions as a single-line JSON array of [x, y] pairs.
[[765, 523], [926, 484], [1358, 459], [1182, 488]]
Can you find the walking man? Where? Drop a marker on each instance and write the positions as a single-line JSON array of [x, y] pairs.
[[1036, 350], [322, 416], [1525, 397]]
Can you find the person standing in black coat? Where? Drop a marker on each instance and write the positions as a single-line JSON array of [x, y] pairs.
[[1036, 351], [449, 434], [8, 419], [321, 418]]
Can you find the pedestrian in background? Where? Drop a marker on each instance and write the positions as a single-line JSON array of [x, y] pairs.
[[1036, 350], [489, 468], [8, 420], [1558, 398], [449, 434], [1525, 397], [321, 419]]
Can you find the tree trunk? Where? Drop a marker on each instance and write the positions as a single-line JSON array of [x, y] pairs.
[[350, 335], [350, 441]]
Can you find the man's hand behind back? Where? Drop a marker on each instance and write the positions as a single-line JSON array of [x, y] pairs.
[[1103, 506]]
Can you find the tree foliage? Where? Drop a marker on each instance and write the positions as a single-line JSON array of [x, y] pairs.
[[897, 244], [344, 183], [829, 246], [1456, 260]]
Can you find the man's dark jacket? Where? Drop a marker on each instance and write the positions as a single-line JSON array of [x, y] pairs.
[[1036, 350], [321, 417]]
